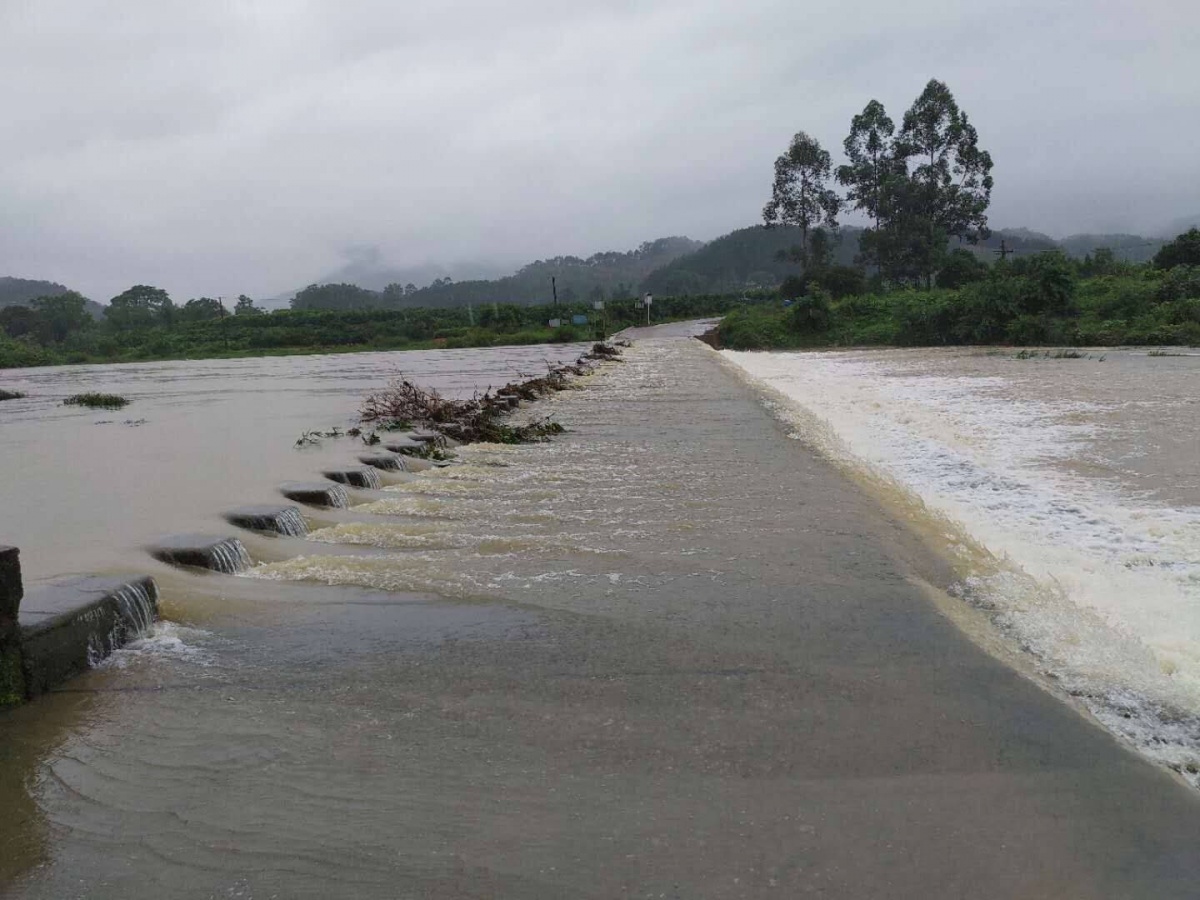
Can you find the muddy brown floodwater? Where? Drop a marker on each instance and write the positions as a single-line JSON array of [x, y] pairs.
[[670, 653]]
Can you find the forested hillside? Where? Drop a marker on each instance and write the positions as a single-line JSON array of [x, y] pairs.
[[745, 259], [601, 276]]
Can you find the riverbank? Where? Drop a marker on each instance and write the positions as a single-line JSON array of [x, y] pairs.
[[311, 331], [688, 656], [1047, 306]]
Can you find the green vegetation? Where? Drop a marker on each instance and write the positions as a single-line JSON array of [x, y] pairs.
[[920, 186], [147, 325], [1183, 251], [610, 275], [923, 270], [10, 395], [1042, 300], [97, 401]]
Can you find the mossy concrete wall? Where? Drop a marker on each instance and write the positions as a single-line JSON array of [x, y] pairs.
[[12, 679]]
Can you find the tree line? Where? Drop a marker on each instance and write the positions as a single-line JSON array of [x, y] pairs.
[[143, 323], [1040, 299], [919, 186]]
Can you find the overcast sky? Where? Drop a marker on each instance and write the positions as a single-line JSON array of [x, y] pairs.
[[231, 146]]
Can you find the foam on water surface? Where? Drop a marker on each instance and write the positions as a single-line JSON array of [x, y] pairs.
[[1094, 567]]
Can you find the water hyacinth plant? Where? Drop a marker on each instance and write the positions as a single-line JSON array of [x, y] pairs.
[[97, 401]]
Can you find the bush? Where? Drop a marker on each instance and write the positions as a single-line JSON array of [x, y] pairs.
[[842, 281], [960, 268], [1180, 283], [1183, 251], [986, 309], [811, 313], [1113, 298], [754, 328], [97, 401], [1048, 285], [926, 317]]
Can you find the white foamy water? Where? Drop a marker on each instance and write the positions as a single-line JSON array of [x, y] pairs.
[[1080, 477], [162, 639]]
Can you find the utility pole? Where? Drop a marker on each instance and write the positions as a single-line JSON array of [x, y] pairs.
[[554, 287], [1004, 252], [224, 324]]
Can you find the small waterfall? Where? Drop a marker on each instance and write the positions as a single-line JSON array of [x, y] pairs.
[[384, 461], [230, 556], [289, 522], [284, 520], [75, 623], [219, 554], [367, 478], [138, 606], [317, 494]]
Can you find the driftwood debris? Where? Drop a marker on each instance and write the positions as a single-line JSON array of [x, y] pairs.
[[482, 417]]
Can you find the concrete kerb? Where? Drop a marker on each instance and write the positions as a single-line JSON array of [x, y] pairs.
[[61, 629], [69, 626]]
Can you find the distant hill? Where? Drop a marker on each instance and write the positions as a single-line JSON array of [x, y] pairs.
[[19, 291], [746, 258], [367, 270], [600, 276], [743, 259], [1126, 247]]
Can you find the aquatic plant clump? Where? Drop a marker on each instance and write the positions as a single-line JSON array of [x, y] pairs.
[[481, 417], [10, 395], [97, 401]]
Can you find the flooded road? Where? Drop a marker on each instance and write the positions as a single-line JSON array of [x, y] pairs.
[[670, 652]]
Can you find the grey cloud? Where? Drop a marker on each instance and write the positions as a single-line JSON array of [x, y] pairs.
[[244, 145]]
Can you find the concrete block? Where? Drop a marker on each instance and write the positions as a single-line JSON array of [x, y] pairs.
[[360, 478], [316, 493], [285, 520], [404, 445], [386, 462], [203, 551], [71, 625]]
